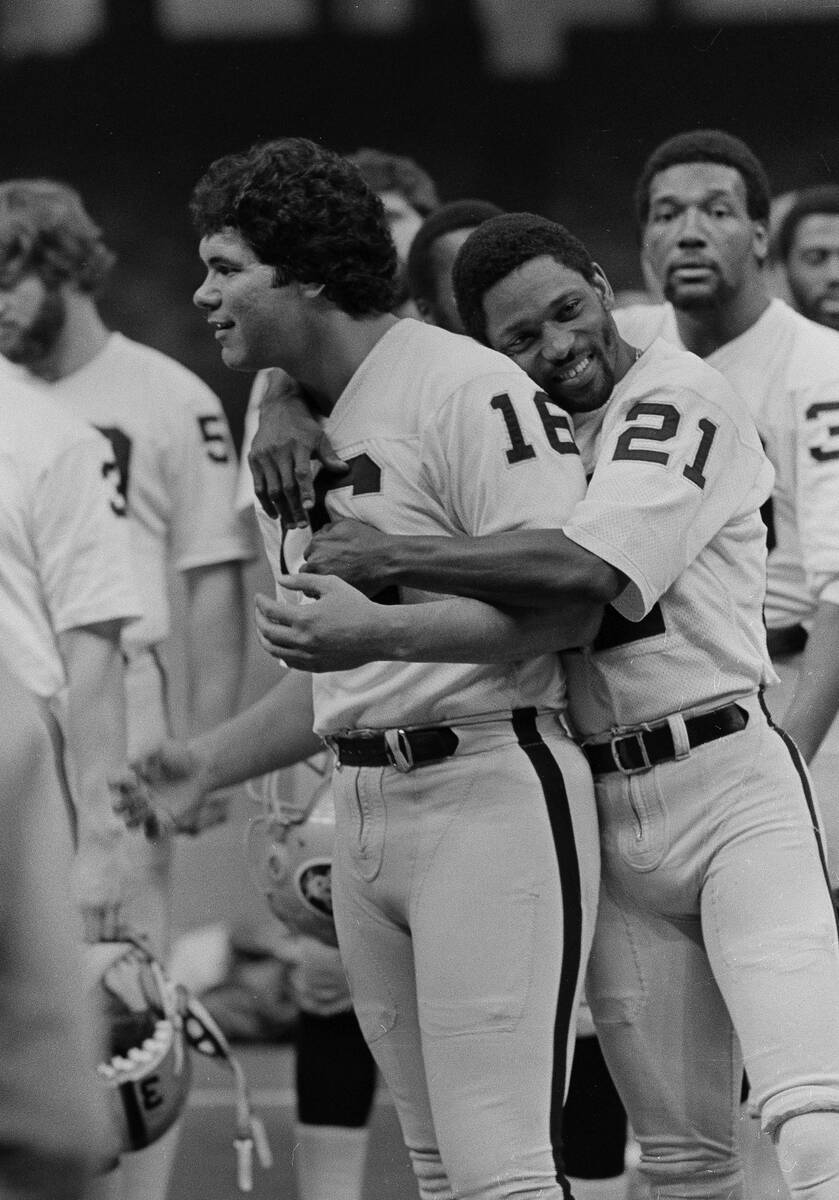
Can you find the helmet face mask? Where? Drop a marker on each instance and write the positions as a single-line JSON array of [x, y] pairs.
[[148, 1072], [289, 852]]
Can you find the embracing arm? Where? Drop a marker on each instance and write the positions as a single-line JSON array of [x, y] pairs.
[[280, 457], [343, 629], [538, 568]]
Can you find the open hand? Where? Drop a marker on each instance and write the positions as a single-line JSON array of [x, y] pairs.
[[165, 792], [338, 628]]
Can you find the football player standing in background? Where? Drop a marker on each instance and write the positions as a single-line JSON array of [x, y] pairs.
[[807, 246], [67, 591], [702, 203], [174, 473]]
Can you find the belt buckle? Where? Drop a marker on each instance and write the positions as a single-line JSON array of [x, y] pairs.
[[331, 744], [637, 736], [398, 750]]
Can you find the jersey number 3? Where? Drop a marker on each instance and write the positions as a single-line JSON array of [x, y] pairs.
[[669, 418]]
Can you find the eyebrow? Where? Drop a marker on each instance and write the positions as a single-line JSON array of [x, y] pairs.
[[714, 194], [523, 322]]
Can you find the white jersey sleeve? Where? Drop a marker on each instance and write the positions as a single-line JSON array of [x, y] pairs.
[[677, 460], [205, 526], [817, 487], [499, 455]]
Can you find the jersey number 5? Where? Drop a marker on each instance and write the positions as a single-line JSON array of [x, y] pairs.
[[669, 418]]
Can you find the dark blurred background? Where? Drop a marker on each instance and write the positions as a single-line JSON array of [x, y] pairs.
[[549, 105]]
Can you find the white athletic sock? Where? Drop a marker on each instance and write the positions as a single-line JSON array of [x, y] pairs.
[[329, 1161], [599, 1189]]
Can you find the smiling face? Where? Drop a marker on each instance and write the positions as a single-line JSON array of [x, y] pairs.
[[813, 268], [699, 241], [557, 326], [256, 323]]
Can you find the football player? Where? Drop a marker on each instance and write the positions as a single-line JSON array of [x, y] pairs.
[[702, 204], [808, 252], [67, 593], [431, 258], [448, 800], [332, 1131], [173, 473]]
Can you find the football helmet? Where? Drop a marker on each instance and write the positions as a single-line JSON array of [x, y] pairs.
[[149, 1024], [147, 1069], [289, 851]]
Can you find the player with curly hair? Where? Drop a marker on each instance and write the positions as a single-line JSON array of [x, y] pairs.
[[457, 793]]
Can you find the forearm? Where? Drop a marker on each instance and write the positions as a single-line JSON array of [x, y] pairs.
[[469, 631], [538, 568], [272, 733], [816, 698], [215, 643], [95, 732]]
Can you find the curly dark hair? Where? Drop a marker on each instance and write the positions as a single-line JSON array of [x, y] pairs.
[[823, 199], [706, 146], [497, 247], [385, 172], [307, 212], [459, 214], [45, 230]]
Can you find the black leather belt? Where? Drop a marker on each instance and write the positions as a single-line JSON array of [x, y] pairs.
[[631, 753], [789, 639], [403, 748]]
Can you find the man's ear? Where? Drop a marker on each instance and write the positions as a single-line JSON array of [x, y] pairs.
[[601, 284], [425, 310], [311, 291]]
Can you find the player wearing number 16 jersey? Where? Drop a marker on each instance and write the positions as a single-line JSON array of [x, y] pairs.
[[466, 856]]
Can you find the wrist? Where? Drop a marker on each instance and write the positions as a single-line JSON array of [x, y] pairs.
[[395, 633], [205, 763]]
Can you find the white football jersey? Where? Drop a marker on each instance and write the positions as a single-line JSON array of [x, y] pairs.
[[64, 540], [786, 368], [673, 502], [176, 466], [443, 436]]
